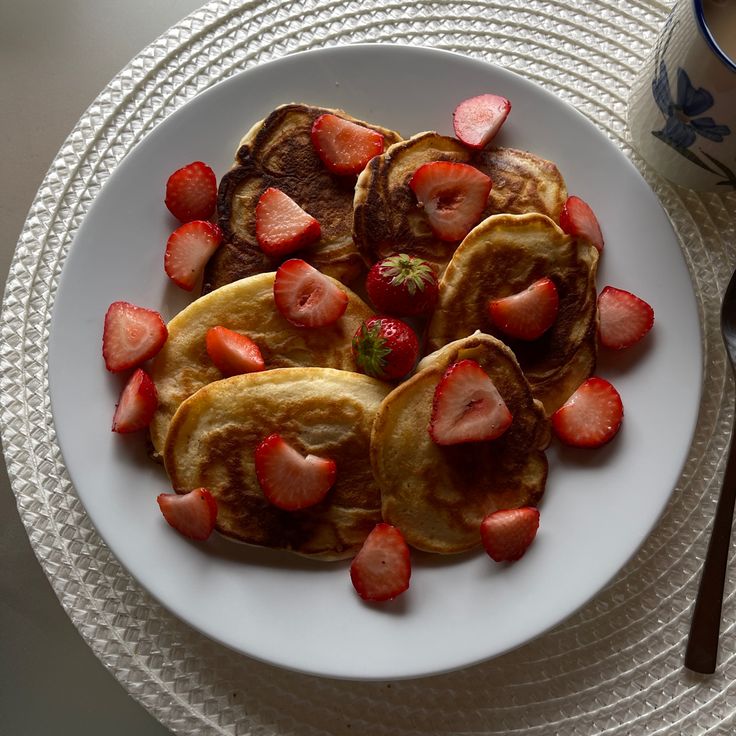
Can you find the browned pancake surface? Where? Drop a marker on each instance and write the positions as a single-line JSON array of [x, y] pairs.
[[438, 495], [279, 153], [321, 411], [388, 219], [246, 306], [504, 255]]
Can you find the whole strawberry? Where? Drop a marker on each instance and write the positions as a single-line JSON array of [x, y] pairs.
[[385, 348], [403, 285]]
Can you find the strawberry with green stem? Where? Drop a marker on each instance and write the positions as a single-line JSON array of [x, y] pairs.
[[403, 285], [385, 348]]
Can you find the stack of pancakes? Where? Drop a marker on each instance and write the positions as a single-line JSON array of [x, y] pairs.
[[207, 426]]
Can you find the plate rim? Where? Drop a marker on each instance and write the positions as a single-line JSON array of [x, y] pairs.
[[538, 89]]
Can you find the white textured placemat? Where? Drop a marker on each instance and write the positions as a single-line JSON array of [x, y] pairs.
[[613, 668]]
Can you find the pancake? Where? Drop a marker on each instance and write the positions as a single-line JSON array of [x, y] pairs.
[[183, 365], [503, 255], [388, 220], [321, 411], [278, 152], [438, 495]]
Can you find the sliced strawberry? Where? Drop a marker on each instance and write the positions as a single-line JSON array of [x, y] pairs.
[[385, 348], [591, 416], [306, 297], [579, 220], [453, 197], [192, 514], [232, 352], [403, 285], [382, 568], [507, 534], [527, 314], [345, 147], [191, 192], [282, 226], [137, 405], [624, 318], [467, 406], [131, 335], [288, 479], [187, 251], [478, 119]]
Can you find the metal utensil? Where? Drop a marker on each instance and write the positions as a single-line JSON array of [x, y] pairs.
[[702, 645]]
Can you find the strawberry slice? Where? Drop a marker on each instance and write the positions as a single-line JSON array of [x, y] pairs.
[[131, 335], [232, 352], [507, 534], [282, 226], [191, 192], [453, 197], [624, 318], [306, 297], [288, 479], [192, 514], [478, 119], [188, 249], [467, 406], [382, 568], [137, 404], [579, 220], [345, 147], [591, 416], [528, 314]]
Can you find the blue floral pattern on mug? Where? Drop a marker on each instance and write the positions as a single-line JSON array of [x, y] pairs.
[[684, 120], [683, 123]]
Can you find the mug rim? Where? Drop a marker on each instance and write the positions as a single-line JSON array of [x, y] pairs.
[[719, 52]]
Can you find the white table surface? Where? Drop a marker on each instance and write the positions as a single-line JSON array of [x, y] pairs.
[[55, 57]]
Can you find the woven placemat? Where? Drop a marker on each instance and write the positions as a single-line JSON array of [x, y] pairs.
[[615, 667]]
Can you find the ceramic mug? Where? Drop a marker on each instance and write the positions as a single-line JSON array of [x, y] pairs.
[[682, 107]]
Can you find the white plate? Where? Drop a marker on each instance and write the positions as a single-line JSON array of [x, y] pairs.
[[599, 505]]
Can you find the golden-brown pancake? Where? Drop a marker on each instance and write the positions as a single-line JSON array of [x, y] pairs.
[[278, 152], [246, 306], [319, 411], [438, 495], [388, 219], [503, 255]]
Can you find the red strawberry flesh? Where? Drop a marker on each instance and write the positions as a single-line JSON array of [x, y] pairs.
[[188, 249], [137, 405], [306, 297], [191, 192], [382, 568], [624, 318], [507, 534], [282, 226], [591, 417], [402, 285], [578, 219], [131, 335], [385, 348], [528, 314], [453, 196], [232, 352], [289, 480], [345, 147], [467, 406], [192, 514], [477, 120]]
